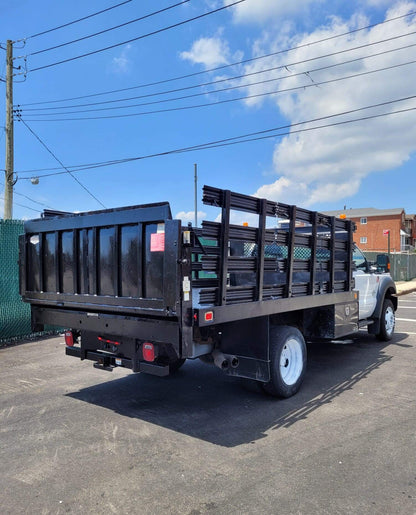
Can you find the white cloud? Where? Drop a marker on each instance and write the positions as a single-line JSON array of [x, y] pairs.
[[208, 51], [122, 63], [329, 164], [260, 11], [189, 216]]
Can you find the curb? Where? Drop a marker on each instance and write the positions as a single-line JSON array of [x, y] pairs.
[[405, 292], [405, 287]]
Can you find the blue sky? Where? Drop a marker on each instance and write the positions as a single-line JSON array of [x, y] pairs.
[[358, 164]]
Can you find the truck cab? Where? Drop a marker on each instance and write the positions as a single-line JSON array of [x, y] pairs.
[[377, 300]]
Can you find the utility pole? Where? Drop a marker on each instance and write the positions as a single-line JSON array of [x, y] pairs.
[[196, 193], [9, 167]]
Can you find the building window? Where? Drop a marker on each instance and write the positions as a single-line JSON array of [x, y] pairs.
[[363, 221], [363, 239]]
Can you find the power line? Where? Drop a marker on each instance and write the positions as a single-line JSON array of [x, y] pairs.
[[75, 21], [62, 165], [244, 61], [251, 74], [158, 31], [109, 29], [22, 205], [220, 102], [239, 139], [240, 86], [29, 198]]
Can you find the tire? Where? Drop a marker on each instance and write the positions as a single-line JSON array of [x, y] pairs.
[[174, 366], [387, 321], [287, 361]]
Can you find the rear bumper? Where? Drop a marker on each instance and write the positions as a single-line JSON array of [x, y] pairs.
[[107, 361], [163, 330]]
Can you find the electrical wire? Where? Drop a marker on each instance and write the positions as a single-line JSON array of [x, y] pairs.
[[220, 102], [158, 31], [28, 198], [244, 61], [109, 29], [235, 139], [22, 205], [251, 74], [75, 21], [62, 165], [240, 86]]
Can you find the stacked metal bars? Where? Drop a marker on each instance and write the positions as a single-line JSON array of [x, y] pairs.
[[320, 235]]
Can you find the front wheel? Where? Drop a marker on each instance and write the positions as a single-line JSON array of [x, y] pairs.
[[287, 361], [387, 321]]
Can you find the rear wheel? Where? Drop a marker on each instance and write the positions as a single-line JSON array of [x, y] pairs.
[[387, 321], [287, 361]]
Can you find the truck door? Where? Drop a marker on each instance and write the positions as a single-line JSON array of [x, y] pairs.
[[366, 283]]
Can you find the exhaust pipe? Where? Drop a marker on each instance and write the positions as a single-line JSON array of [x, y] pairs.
[[224, 361], [220, 360], [234, 362]]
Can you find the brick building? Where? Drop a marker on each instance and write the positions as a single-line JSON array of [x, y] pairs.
[[374, 225], [410, 228]]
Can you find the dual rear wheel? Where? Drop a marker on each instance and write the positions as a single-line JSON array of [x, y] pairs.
[[287, 361]]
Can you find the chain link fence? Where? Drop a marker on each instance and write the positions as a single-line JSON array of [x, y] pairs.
[[14, 313], [402, 266]]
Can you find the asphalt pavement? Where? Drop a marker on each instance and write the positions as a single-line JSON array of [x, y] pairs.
[[74, 439]]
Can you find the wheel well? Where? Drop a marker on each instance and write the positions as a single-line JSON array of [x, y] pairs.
[[391, 294], [293, 318]]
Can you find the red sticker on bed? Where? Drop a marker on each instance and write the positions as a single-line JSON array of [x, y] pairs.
[[157, 242]]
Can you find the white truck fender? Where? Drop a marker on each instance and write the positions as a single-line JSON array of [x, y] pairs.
[[386, 289]]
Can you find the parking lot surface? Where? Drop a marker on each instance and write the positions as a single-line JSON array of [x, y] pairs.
[[79, 440]]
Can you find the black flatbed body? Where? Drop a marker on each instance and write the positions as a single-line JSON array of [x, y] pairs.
[[135, 275]]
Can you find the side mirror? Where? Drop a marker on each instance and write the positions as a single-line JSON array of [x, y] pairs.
[[383, 263]]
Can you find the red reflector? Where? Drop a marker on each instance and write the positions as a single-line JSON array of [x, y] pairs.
[[148, 352], [69, 339], [209, 316], [107, 341]]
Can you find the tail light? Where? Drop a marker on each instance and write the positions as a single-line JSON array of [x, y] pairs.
[[69, 339], [148, 352]]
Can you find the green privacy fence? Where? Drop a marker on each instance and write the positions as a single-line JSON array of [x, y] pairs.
[[402, 266], [14, 314]]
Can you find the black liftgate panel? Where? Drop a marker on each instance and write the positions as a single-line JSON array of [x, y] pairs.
[[117, 260], [288, 252]]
